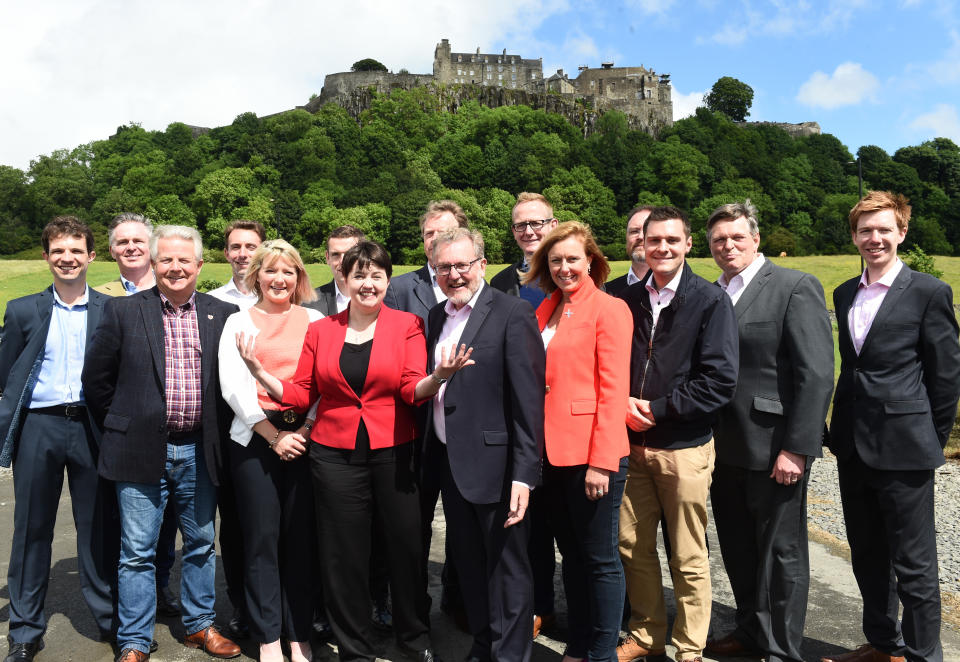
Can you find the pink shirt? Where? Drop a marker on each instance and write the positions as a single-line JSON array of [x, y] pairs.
[[866, 303]]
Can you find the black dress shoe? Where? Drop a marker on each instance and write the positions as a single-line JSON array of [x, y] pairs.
[[382, 616], [322, 629], [167, 603], [425, 655], [20, 652], [237, 628]]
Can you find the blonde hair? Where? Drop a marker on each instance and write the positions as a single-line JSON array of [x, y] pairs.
[[269, 252], [539, 265], [530, 197]]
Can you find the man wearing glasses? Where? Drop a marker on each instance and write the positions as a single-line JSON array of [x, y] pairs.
[[531, 221]]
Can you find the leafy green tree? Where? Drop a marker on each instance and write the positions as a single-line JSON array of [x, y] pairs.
[[731, 97], [580, 194], [367, 64]]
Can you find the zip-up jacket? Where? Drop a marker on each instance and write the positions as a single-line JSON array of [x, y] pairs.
[[686, 366]]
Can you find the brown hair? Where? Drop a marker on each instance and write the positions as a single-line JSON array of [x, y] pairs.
[[363, 255], [878, 201], [531, 197], [346, 232], [243, 225], [437, 207], [540, 269], [69, 226], [266, 254], [667, 213]]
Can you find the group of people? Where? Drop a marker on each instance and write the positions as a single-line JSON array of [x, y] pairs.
[[550, 405]]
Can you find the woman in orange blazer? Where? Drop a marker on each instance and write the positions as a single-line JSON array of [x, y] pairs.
[[367, 366], [587, 334]]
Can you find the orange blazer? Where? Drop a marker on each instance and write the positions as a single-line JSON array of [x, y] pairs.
[[588, 379], [398, 361]]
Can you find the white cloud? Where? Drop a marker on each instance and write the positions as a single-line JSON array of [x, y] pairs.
[[941, 122], [651, 6], [781, 18], [684, 105], [74, 70], [849, 84]]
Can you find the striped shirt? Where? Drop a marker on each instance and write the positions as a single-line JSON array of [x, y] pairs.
[[182, 354]]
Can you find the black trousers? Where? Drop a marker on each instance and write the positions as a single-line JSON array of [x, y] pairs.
[[762, 531], [48, 444], [348, 497], [494, 572], [230, 535], [276, 500], [542, 554], [431, 477], [893, 550]]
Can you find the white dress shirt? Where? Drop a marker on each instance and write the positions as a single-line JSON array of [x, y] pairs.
[[437, 292], [866, 303], [736, 285], [632, 278], [342, 300], [232, 294], [449, 338], [236, 381], [662, 298]]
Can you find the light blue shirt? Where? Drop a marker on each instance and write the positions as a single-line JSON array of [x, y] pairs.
[[59, 380]]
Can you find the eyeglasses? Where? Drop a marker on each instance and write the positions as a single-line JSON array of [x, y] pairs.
[[536, 226], [460, 267]]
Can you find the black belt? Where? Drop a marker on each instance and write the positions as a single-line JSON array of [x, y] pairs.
[[179, 437], [286, 420], [65, 411]]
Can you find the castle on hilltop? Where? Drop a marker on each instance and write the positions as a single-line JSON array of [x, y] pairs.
[[507, 79]]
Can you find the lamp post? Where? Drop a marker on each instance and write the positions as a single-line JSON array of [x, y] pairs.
[[859, 163]]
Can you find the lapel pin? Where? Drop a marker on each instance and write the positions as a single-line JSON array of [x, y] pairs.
[[209, 317]]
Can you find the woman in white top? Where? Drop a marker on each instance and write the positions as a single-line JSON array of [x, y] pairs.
[[268, 461]]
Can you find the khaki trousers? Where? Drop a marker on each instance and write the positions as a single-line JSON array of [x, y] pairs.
[[676, 483]]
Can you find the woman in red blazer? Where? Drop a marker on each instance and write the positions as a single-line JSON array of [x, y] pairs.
[[587, 334], [367, 366]]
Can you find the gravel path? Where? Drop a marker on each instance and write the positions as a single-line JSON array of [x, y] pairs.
[[825, 516]]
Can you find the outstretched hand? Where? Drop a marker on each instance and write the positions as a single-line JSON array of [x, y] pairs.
[[247, 348], [449, 365]]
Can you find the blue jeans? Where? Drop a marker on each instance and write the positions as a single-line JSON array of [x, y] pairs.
[[186, 481]]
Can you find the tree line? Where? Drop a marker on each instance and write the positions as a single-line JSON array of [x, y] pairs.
[[304, 174]]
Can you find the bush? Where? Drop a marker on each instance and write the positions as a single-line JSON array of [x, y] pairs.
[[917, 260]]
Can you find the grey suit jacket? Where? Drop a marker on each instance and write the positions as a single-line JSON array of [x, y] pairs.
[[413, 293], [786, 371], [897, 400], [25, 326], [326, 301]]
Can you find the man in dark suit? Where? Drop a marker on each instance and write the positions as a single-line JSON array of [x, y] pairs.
[[531, 219], [767, 437], [152, 383], [46, 428], [893, 410], [484, 440], [331, 297], [417, 292], [638, 261]]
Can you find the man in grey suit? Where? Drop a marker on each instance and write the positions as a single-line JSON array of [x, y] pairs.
[[330, 296], [895, 405], [46, 428], [767, 437]]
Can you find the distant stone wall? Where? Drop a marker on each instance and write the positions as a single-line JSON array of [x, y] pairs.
[[801, 130], [338, 87]]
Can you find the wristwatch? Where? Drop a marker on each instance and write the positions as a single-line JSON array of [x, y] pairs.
[[438, 380]]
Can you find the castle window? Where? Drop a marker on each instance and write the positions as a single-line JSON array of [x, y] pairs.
[[459, 58], [533, 76], [459, 72], [499, 76], [489, 75], [649, 94], [593, 83], [471, 72], [514, 68], [514, 76]]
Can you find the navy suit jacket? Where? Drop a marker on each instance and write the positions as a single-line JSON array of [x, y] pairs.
[[413, 293], [896, 401], [25, 326], [124, 384], [494, 409]]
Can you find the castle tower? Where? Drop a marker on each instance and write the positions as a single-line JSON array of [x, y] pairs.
[[442, 65]]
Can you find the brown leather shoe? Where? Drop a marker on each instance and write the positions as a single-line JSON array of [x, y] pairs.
[[631, 650], [730, 646], [541, 622], [212, 642], [132, 655], [865, 653], [690, 659]]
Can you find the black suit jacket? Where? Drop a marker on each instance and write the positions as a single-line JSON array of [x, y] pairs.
[[616, 286], [494, 409], [896, 402], [326, 301], [25, 326], [413, 293], [786, 371], [508, 280], [124, 384]]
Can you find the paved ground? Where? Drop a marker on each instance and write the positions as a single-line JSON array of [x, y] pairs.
[[833, 620]]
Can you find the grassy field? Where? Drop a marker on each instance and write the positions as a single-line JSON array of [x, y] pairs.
[[22, 277]]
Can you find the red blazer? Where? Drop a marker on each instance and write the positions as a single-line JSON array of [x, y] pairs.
[[398, 361], [588, 379]]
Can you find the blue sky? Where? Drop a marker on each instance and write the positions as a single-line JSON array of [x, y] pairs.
[[882, 73]]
